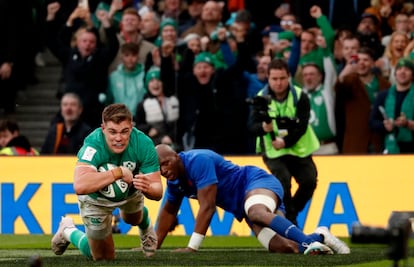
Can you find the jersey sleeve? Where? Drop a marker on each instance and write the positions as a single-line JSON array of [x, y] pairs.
[[147, 154], [173, 194], [202, 171]]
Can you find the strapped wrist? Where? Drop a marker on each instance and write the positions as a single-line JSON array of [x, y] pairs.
[[117, 173], [195, 241]]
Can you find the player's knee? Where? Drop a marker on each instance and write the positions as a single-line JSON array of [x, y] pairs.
[[104, 257], [98, 227], [99, 234], [256, 205], [256, 214], [103, 251], [133, 219]]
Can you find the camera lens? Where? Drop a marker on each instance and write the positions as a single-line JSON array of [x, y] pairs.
[[366, 234]]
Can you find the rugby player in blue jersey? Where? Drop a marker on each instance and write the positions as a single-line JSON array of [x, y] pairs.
[[248, 192]]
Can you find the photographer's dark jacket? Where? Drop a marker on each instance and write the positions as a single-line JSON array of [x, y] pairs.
[[291, 122]]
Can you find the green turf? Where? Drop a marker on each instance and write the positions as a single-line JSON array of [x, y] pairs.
[[216, 251]]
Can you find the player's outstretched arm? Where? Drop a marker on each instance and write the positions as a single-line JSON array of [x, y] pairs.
[[207, 201], [166, 218]]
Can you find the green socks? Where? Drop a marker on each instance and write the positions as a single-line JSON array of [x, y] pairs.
[[145, 219], [79, 240]]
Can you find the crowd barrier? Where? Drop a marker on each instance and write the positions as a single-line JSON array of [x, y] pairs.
[[36, 191]]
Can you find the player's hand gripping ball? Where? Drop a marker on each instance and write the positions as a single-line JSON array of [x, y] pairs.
[[116, 191]]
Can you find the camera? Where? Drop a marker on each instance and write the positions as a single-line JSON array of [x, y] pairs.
[[286, 122], [396, 235], [260, 106]]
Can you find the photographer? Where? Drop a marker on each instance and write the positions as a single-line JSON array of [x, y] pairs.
[[285, 138]]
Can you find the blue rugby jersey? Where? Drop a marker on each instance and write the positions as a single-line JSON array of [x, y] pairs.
[[205, 167]]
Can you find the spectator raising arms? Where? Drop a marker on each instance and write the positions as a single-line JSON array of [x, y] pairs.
[[86, 61], [131, 25], [356, 89], [318, 84]]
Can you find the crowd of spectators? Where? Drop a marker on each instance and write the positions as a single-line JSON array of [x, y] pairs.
[[186, 68]]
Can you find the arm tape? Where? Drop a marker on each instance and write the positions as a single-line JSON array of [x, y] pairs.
[[117, 173], [265, 235]]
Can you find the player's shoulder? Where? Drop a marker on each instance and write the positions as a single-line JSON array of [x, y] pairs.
[[96, 136], [95, 139], [140, 144], [94, 145], [199, 157], [139, 138], [201, 153]]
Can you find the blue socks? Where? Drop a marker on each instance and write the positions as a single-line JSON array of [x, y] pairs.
[[285, 228]]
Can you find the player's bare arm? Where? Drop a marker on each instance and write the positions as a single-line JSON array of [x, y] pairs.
[[149, 184], [88, 180], [165, 220], [207, 201]]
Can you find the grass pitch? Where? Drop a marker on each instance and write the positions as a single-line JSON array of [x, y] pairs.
[[15, 250]]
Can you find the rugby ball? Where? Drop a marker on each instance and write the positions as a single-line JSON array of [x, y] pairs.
[[118, 190]]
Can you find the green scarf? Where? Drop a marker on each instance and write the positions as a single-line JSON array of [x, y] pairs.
[[400, 134]]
